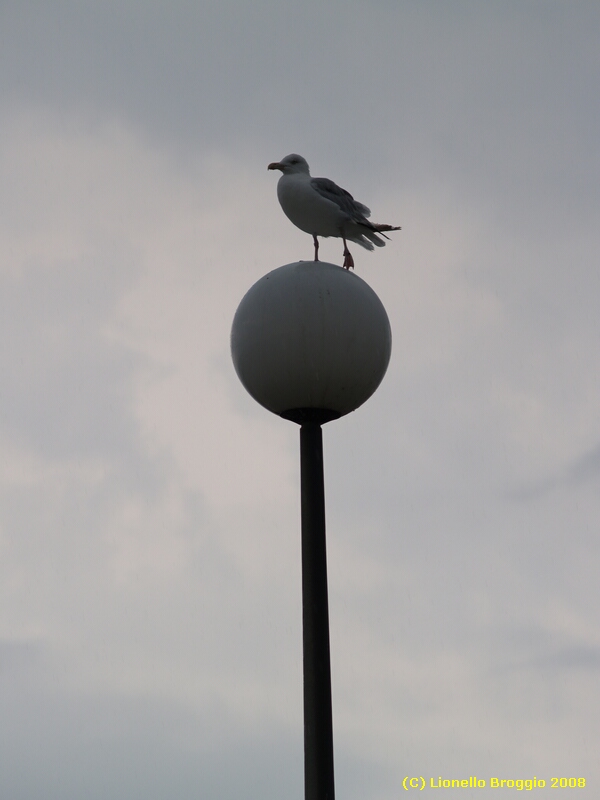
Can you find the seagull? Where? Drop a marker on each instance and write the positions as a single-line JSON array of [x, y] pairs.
[[320, 207]]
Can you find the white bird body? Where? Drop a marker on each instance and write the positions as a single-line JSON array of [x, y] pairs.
[[308, 210], [319, 207]]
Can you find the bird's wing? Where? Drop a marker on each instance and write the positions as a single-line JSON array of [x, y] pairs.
[[331, 191]]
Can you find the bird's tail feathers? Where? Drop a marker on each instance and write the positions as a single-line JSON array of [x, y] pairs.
[[366, 239], [381, 227], [367, 234]]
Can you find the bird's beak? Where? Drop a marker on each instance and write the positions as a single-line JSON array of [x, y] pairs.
[[275, 165]]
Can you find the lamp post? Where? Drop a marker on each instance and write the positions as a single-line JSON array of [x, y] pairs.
[[311, 342]]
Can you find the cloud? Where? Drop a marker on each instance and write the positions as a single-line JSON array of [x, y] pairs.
[[135, 745], [578, 472]]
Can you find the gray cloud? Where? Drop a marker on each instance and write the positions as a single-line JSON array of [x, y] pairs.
[[65, 388], [578, 472]]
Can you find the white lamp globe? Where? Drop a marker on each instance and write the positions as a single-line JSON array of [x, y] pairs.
[[311, 341]]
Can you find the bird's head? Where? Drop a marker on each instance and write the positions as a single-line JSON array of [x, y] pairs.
[[291, 165]]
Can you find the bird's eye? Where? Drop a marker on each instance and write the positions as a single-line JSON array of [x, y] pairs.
[[294, 161]]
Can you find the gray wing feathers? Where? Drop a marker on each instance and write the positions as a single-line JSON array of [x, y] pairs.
[[358, 229], [331, 191]]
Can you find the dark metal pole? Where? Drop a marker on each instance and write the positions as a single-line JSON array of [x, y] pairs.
[[318, 725]]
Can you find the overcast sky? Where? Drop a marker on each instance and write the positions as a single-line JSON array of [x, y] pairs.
[[150, 605]]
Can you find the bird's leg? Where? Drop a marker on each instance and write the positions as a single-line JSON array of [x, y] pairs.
[[348, 260], [316, 241]]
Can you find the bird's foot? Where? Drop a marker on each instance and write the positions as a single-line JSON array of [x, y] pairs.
[[348, 260]]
